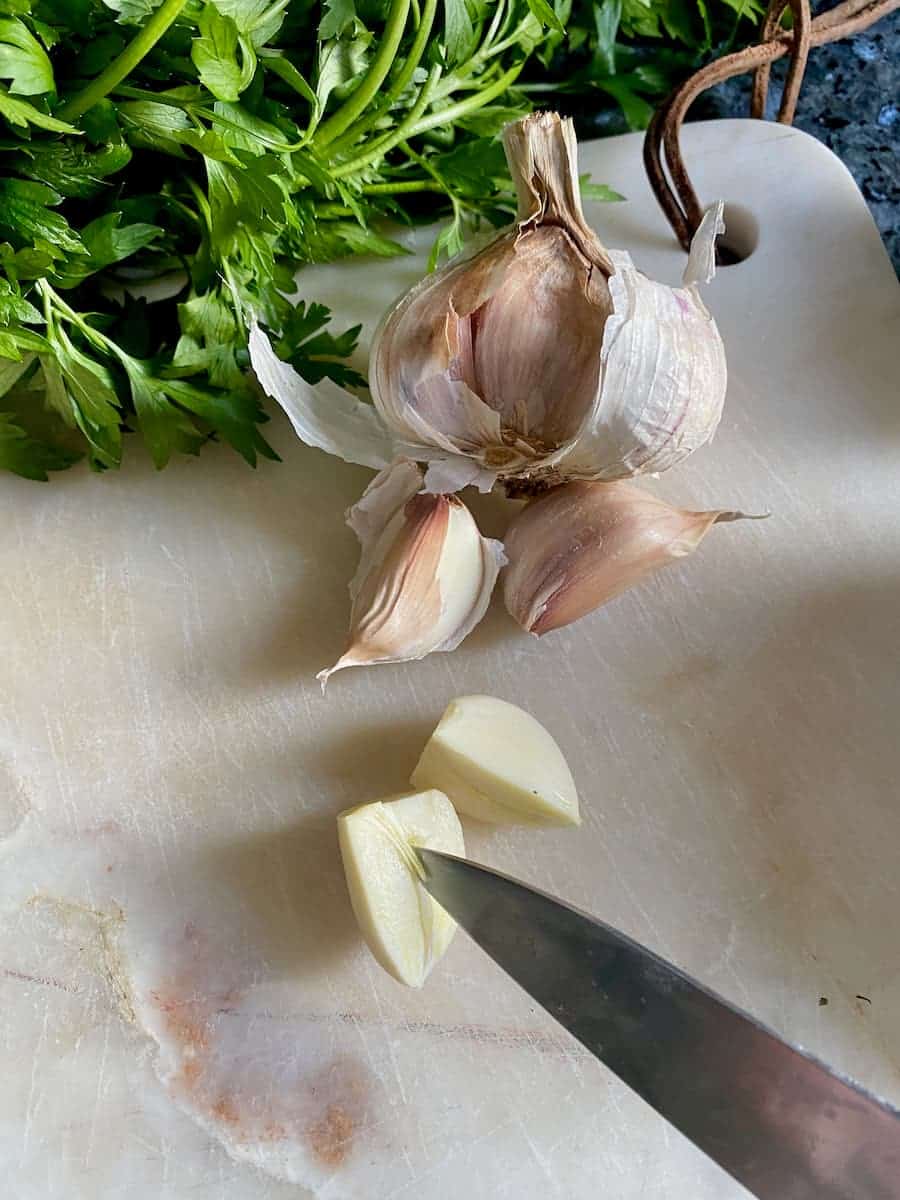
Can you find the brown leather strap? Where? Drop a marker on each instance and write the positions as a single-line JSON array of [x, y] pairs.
[[662, 152], [799, 52]]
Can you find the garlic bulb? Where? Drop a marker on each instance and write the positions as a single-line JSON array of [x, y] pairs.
[[545, 354], [579, 545], [539, 358], [425, 574]]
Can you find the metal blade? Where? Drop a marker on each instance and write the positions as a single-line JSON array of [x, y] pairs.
[[781, 1123]]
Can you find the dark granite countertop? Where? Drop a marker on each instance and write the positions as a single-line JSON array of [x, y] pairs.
[[851, 102]]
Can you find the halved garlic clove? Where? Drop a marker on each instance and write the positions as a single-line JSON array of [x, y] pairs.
[[404, 928], [425, 575], [579, 545], [497, 763]]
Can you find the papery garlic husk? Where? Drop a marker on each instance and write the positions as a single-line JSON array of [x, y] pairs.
[[541, 357], [580, 545], [544, 353], [425, 574]]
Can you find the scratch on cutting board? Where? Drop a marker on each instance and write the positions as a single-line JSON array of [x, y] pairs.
[[486, 1035], [386, 1030], [31, 1103], [40, 980], [541, 1159], [455, 1152]]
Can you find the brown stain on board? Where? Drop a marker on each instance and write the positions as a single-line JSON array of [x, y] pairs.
[[331, 1138], [341, 1093], [226, 1111], [184, 1022], [322, 1110], [191, 1072]]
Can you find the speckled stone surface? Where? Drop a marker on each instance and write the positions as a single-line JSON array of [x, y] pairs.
[[851, 102]]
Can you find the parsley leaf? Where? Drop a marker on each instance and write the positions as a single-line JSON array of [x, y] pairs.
[[224, 59], [314, 350], [26, 216], [132, 12], [23, 60], [26, 456], [22, 114], [340, 15]]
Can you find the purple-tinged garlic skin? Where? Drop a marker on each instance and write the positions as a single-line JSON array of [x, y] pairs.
[[581, 544], [545, 352], [425, 575]]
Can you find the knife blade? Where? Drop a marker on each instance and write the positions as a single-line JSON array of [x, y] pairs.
[[776, 1119]]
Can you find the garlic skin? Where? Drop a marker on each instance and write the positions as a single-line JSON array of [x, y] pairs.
[[425, 574], [404, 928], [539, 357], [545, 354], [580, 545], [498, 764]]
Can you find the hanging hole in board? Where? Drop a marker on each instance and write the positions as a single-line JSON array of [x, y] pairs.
[[741, 235]]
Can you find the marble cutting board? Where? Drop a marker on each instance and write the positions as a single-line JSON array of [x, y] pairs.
[[185, 1006]]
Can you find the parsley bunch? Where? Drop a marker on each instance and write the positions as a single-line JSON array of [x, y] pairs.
[[217, 146], [623, 56]]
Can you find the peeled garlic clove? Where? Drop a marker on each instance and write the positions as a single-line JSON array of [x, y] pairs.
[[425, 575], [581, 544], [405, 929], [497, 763]]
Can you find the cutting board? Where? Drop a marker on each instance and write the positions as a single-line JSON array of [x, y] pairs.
[[187, 1009]]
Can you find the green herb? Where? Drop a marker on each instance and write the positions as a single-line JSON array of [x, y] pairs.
[[226, 143], [230, 141], [628, 54]]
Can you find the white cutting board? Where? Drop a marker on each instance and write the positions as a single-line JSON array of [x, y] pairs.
[[185, 1006]]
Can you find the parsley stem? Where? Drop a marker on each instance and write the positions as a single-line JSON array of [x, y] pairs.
[[402, 185], [378, 147], [494, 25], [448, 116], [357, 103], [404, 78], [121, 66], [53, 301]]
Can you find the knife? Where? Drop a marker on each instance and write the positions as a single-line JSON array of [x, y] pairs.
[[778, 1121]]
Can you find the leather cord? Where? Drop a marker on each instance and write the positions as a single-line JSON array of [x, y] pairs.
[[663, 160]]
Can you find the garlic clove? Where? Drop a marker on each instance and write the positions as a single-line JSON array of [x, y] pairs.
[[581, 544], [498, 764], [425, 574], [404, 928]]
